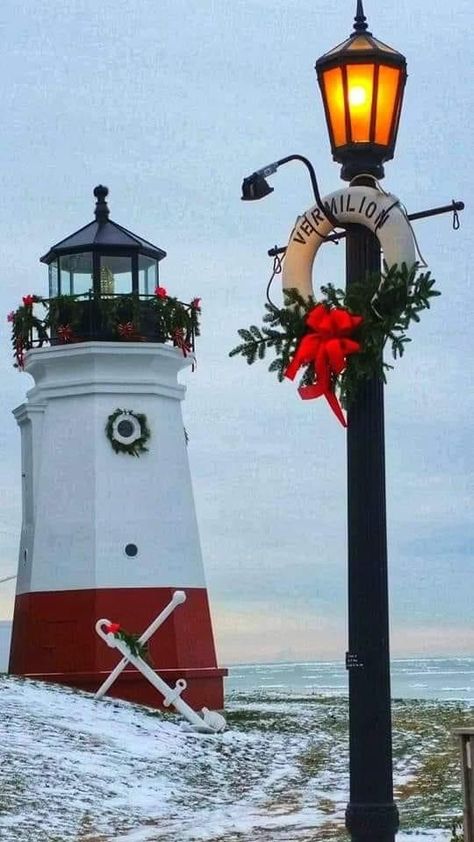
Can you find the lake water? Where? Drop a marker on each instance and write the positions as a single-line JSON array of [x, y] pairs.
[[446, 679]]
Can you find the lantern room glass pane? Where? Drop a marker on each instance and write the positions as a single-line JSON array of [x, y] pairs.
[[75, 273], [147, 275], [115, 274], [53, 279], [334, 97], [389, 78], [360, 93]]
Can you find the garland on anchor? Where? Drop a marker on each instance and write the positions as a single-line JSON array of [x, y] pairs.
[[339, 340], [128, 431], [137, 649]]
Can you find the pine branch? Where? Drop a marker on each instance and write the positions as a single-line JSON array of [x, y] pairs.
[[388, 304]]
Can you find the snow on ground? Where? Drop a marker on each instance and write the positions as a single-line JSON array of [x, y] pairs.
[[426, 836], [73, 768]]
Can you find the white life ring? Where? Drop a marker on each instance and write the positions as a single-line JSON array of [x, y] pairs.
[[381, 212]]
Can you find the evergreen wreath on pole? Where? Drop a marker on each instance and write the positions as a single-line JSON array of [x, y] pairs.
[[128, 431], [339, 340]]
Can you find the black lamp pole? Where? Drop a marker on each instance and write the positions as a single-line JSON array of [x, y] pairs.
[[362, 83], [371, 814]]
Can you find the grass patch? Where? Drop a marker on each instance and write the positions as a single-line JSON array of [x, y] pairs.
[[313, 760]]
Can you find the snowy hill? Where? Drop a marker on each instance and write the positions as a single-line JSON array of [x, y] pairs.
[[76, 769]]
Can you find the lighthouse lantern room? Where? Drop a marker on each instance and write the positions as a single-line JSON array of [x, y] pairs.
[[108, 526]]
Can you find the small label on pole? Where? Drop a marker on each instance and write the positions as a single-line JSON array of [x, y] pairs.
[[353, 661]]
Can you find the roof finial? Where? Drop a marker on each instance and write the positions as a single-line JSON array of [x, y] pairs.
[[360, 20], [101, 208]]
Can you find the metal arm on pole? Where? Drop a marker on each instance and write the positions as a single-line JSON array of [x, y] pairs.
[[255, 186]]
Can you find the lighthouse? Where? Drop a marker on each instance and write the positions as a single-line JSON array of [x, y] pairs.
[[108, 524]]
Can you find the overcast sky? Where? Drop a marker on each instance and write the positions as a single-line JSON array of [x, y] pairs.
[[170, 103]]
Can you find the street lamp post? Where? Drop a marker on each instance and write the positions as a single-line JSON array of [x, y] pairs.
[[362, 83], [371, 815]]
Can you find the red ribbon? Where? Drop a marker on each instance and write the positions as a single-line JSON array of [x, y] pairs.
[[327, 346], [65, 333], [20, 353], [180, 341], [127, 330]]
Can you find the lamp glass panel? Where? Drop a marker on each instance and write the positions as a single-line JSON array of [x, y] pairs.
[[75, 275], [115, 274], [359, 43], [386, 103], [147, 275], [334, 96], [360, 93]]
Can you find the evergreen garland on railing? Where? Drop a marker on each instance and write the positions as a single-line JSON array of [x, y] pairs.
[[122, 315]]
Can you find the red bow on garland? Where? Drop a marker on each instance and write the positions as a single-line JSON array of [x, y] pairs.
[[127, 331], [65, 333], [20, 353], [180, 341], [326, 346]]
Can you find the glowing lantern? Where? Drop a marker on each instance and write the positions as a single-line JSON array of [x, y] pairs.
[[362, 82]]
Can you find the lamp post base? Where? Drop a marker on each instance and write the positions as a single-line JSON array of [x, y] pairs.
[[372, 822]]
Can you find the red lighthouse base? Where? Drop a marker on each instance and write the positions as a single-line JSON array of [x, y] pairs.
[[54, 639]]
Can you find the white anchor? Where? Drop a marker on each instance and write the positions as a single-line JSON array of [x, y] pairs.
[[210, 722]]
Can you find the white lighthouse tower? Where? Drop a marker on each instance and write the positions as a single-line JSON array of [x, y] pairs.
[[109, 527]]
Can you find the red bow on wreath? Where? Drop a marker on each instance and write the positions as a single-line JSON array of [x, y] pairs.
[[326, 346]]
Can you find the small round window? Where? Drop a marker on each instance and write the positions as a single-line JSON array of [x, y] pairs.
[[131, 550], [126, 429]]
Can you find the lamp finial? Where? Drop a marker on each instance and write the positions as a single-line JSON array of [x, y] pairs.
[[101, 208], [360, 20]]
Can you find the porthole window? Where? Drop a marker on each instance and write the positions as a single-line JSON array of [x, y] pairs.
[[126, 429], [131, 550]]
